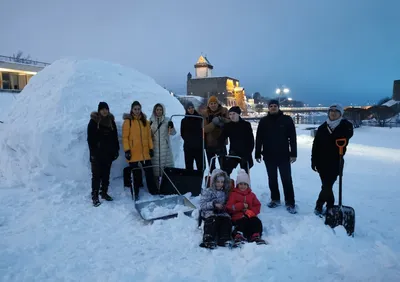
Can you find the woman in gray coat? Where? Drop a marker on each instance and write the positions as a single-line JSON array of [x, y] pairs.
[[161, 128]]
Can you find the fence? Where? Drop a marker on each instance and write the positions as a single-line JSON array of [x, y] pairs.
[[23, 61]]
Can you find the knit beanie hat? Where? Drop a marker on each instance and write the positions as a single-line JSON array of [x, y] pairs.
[[337, 107], [102, 105], [235, 109], [212, 99], [273, 102], [242, 177]]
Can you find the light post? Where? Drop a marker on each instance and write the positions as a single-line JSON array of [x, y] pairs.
[[281, 91]]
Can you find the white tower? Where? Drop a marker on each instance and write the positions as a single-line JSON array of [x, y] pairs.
[[203, 67]]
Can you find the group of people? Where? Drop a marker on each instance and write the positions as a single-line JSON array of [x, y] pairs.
[[147, 142], [276, 145]]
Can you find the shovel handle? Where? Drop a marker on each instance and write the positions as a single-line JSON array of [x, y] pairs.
[[341, 143]]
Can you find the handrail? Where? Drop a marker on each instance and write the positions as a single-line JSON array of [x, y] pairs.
[[23, 61]]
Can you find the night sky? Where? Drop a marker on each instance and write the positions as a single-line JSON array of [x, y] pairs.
[[324, 51]]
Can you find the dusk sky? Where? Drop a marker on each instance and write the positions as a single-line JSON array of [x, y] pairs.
[[324, 51]]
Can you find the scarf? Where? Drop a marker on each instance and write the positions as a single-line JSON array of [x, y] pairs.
[[332, 124]]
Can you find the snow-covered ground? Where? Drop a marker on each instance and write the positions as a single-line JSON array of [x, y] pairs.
[[50, 231]]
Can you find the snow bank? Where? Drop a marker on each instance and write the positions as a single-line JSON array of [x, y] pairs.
[[45, 130], [6, 100]]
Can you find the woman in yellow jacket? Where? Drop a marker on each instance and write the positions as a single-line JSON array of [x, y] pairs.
[[138, 147]]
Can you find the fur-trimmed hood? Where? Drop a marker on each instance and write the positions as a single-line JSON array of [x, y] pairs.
[[153, 117], [216, 173], [96, 116], [108, 121], [129, 116]]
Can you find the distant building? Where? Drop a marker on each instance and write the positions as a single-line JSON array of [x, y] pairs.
[[15, 73], [396, 90], [226, 89]]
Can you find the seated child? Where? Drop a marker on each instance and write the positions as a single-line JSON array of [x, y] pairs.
[[244, 207], [217, 222]]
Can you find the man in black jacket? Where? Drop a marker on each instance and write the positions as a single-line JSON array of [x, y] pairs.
[[102, 138], [192, 135], [241, 140], [276, 142], [325, 157]]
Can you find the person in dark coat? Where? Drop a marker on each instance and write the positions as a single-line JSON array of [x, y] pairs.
[[325, 157], [241, 139], [192, 135], [276, 142], [102, 138]]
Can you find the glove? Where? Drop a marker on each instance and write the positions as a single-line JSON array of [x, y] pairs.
[[249, 214], [151, 152], [216, 121], [170, 124], [128, 155], [116, 156]]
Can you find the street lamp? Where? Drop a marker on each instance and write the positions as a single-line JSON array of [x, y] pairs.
[[281, 91]]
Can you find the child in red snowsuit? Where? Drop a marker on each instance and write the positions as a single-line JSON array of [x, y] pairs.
[[243, 206]]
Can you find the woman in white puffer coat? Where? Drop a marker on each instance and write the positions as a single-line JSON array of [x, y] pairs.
[[161, 128]]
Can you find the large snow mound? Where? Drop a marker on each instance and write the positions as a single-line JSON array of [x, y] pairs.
[[44, 132], [6, 99]]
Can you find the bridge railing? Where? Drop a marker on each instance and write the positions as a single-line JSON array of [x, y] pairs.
[[23, 61], [294, 109]]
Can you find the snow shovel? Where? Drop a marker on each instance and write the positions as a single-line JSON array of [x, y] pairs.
[[341, 215], [164, 207]]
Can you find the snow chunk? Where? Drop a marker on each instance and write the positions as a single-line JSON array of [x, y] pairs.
[[154, 211], [44, 132]]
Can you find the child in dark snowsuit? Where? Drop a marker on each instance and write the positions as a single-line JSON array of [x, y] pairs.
[[217, 222], [244, 207]]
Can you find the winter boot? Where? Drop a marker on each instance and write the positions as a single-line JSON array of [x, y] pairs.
[[238, 239], [318, 211], [257, 239], [291, 208], [104, 194], [95, 199], [274, 204], [208, 242]]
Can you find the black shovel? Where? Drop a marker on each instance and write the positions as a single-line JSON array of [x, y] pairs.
[[341, 215]]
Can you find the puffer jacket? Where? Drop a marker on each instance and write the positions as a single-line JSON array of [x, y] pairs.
[[237, 198], [163, 156], [136, 137], [211, 196]]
